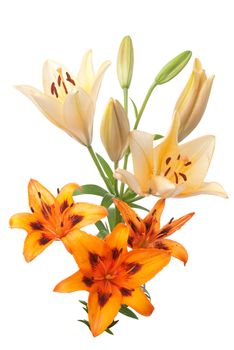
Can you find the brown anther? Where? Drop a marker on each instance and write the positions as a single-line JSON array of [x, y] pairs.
[[70, 79], [167, 171], [178, 158], [32, 209], [168, 160], [188, 163], [65, 88], [59, 80], [176, 177], [54, 90], [39, 194], [183, 176], [58, 190], [170, 221]]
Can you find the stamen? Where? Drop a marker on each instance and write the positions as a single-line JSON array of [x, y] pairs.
[[70, 79], [59, 80], [178, 158], [54, 90], [166, 172], [168, 160], [176, 177], [65, 88], [188, 163], [32, 209], [170, 221], [58, 190], [183, 176]]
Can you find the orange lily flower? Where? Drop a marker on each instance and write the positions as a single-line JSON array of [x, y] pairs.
[[112, 275], [147, 233], [53, 218]]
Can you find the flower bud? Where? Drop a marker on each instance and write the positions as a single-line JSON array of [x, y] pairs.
[[193, 100], [115, 130], [125, 62]]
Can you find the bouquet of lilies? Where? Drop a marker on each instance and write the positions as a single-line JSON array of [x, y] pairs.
[[115, 263]]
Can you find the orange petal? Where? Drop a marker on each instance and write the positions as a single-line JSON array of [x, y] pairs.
[[136, 225], [64, 198], [137, 300], [24, 221], [141, 265], [117, 240], [86, 249], [103, 305], [35, 243], [155, 214], [175, 225], [83, 214], [176, 249], [77, 281], [40, 199]]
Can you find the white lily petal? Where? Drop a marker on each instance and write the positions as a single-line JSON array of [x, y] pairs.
[[49, 106], [86, 75], [78, 116], [58, 75], [212, 188], [98, 80], [162, 187], [199, 152], [129, 179], [141, 145]]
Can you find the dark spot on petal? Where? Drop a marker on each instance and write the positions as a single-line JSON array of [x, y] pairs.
[[130, 241], [64, 206], [88, 281], [148, 226], [168, 160], [61, 224], [37, 225], [44, 240], [93, 259], [132, 268], [126, 292], [32, 210], [46, 210], [116, 253], [39, 194], [75, 219], [132, 225], [160, 245], [103, 298], [153, 212], [138, 219], [71, 205]]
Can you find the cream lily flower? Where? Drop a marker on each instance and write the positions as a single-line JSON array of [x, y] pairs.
[[170, 170], [193, 100], [69, 102]]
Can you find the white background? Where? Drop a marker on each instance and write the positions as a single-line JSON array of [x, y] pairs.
[[193, 304]]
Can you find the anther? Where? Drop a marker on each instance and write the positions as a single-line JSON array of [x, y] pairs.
[[176, 178], [168, 160], [70, 79], [188, 163], [178, 158], [39, 194], [183, 176], [54, 90], [165, 174], [58, 190]]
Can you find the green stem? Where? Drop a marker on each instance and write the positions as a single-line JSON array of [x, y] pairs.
[[125, 93], [135, 199], [151, 89], [94, 157], [116, 164]]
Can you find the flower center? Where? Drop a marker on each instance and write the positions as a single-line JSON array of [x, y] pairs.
[[176, 168], [60, 87]]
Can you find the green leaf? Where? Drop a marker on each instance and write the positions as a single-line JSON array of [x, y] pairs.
[[85, 309], [91, 189], [111, 218], [135, 108], [85, 322], [133, 205], [157, 136], [83, 302], [106, 167], [102, 234], [173, 67], [109, 331], [129, 194], [107, 200], [100, 226], [113, 323], [127, 312]]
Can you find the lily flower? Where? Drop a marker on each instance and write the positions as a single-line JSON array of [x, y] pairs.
[[170, 169], [53, 218], [193, 100], [67, 101], [112, 275], [147, 233]]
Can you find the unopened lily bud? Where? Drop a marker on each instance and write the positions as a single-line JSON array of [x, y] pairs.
[[193, 100], [115, 130], [125, 62]]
